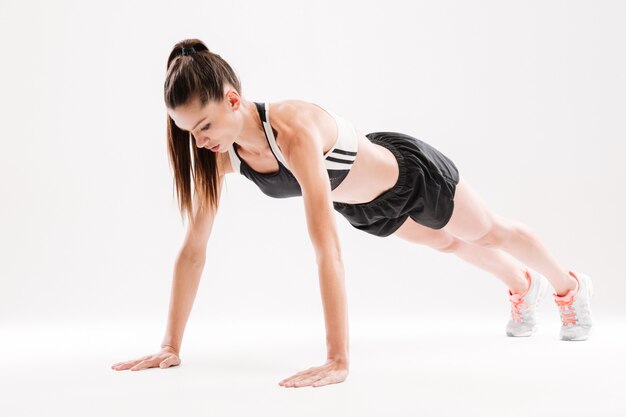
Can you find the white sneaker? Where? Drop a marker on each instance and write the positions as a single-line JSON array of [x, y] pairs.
[[574, 309], [523, 320]]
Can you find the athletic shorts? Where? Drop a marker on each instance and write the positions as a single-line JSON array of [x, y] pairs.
[[424, 191]]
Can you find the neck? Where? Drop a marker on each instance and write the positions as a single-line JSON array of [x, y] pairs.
[[252, 137]]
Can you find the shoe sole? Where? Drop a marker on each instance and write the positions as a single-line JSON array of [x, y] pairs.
[[579, 338], [527, 334]]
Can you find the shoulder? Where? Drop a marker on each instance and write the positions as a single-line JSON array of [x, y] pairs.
[[294, 120], [288, 114]]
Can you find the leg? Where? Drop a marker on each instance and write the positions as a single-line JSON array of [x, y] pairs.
[[472, 221], [491, 260]]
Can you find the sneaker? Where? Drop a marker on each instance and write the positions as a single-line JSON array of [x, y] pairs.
[[574, 309], [523, 320]]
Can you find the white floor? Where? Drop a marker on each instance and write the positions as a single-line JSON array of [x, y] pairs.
[[411, 367]]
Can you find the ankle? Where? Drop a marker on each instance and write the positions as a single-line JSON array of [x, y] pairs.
[[571, 284], [522, 284]]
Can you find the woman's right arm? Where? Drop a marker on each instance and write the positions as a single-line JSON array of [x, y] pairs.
[[187, 272]]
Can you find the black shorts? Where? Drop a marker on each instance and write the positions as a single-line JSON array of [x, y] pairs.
[[424, 191]]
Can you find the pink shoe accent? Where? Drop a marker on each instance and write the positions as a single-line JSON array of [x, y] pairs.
[[577, 281], [517, 301], [564, 302], [518, 305]]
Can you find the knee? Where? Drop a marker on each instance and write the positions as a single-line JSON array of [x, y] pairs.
[[450, 246], [491, 239], [497, 235]]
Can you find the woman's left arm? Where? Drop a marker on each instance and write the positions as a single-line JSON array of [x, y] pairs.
[[304, 154]]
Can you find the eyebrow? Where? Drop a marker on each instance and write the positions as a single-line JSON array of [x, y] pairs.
[[194, 128]]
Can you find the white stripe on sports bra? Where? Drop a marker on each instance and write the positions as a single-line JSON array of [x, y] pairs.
[[346, 142]]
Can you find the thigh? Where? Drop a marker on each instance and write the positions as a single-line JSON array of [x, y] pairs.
[[471, 219], [416, 233]]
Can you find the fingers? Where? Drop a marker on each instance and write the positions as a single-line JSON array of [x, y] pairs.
[[148, 361], [316, 377], [298, 375], [306, 381], [304, 376], [169, 361], [306, 371], [330, 379], [127, 364], [120, 366]]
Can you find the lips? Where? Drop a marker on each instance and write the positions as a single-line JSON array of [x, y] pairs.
[[215, 148]]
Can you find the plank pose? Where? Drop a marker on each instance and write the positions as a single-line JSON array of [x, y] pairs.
[[383, 183]]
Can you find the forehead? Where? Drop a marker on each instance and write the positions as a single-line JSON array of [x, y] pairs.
[[188, 115]]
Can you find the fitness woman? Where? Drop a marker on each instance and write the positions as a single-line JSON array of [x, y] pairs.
[[383, 183]]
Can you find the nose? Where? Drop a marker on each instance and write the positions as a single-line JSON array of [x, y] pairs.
[[200, 143]]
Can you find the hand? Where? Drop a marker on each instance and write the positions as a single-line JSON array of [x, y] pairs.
[[332, 372], [164, 359]]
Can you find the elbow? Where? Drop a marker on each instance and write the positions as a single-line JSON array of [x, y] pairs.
[[329, 255], [192, 256]]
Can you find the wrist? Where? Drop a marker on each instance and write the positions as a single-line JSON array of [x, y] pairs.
[[342, 360], [170, 348]]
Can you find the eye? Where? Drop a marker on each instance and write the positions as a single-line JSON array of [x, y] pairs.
[[206, 127]]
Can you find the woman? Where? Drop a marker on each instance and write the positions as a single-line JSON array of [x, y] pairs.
[[383, 183]]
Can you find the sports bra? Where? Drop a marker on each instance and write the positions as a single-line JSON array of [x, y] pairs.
[[282, 183]]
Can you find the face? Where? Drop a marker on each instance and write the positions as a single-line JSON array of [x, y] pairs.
[[211, 125]]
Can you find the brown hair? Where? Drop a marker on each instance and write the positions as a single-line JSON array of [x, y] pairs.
[[201, 74]]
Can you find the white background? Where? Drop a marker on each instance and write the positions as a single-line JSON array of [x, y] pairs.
[[527, 98]]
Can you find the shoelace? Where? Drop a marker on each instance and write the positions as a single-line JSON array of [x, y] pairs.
[[568, 313], [518, 307]]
